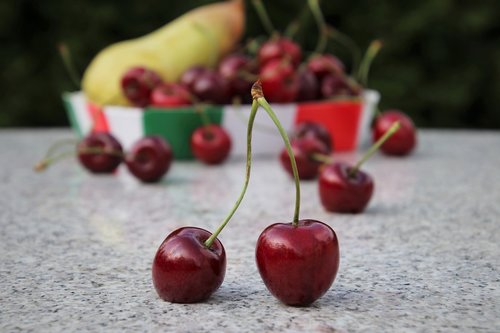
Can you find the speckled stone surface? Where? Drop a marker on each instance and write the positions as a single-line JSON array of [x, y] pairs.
[[76, 249]]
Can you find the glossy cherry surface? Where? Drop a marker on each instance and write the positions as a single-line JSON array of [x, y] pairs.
[[324, 64], [185, 270], [303, 150], [238, 69], [308, 85], [189, 77], [344, 193], [334, 85], [211, 87], [279, 49], [170, 95], [314, 130], [298, 264], [210, 144], [138, 83], [403, 141], [279, 81], [149, 159], [100, 152]]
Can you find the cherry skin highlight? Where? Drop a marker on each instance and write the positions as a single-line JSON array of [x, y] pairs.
[[149, 159], [170, 95], [298, 264], [280, 49], [341, 192], [303, 150], [107, 154], [279, 81], [210, 144], [403, 141], [185, 270]]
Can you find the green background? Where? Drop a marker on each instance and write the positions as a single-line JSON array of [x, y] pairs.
[[440, 62]]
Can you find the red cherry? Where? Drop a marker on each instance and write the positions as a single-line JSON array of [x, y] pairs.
[[314, 130], [211, 87], [138, 83], [149, 159], [185, 270], [298, 264], [280, 49], [170, 95], [324, 64], [210, 144], [279, 82], [303, 150], [403, 141], [107, 157], [233, 68], [344, 193]]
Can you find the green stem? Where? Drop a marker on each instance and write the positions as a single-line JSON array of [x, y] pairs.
[[370, 54], [68, 64], [203, 115], [47, 161], [326, 159], [292, 29], [263, 16], [374, 148], [255, 107], [262, 102], [322, 27], [58, 144], [349, 44]]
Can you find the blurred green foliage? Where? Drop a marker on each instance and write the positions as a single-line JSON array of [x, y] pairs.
[[440, 62]]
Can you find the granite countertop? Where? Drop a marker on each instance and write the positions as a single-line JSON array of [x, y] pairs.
[[76, 249]]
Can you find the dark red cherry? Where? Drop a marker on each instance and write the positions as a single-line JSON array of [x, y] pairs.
[[308, 86], [336, 85], [138, 83], [304, 150], [238, 70], [314, 130], [149, 158], [324, 64], [185, 270], [298, 264], [100, 152], [343, 192], [210, 144], [189, 77], [403, 141], [211, 87]]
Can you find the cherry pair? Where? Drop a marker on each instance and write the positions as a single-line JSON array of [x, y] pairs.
[[297, 261], [148, 160]]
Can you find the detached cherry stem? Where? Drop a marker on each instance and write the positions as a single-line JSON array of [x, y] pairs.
[[264, 17], [393, 129], [68, 64], [364, 67], [48, 160], [322, 27], [325, 159], [211, 239], [258, 96]]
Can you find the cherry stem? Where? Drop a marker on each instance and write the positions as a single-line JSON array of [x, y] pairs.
[[48, 160], [211, 239], [349, 44], [292, 29], [364, 67], [263, 16], [326, 159], [322, 27], [58, 144], [200, 108], [393, 129], [258, 95], [69, 65]]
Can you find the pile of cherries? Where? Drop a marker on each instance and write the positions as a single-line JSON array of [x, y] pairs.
[[344, 188], [278, 64]]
